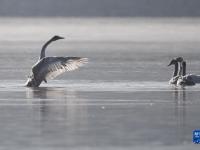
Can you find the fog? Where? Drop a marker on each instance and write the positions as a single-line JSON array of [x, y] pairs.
[[100, 8]]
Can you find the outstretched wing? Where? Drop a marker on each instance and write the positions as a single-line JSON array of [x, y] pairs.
[[51, 67]]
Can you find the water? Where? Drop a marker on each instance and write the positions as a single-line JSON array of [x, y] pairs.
[[120, 100]]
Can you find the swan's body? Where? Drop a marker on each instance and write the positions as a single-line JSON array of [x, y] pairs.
[[50, 67], [194, 78], [189, 79], [174, 80]]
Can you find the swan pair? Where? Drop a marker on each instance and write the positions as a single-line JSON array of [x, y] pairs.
[[50, 67], [179, 77]]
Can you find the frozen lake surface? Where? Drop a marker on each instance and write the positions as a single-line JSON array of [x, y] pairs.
[[120, 100]]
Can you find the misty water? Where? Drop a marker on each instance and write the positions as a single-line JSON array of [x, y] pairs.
[[120, 100]]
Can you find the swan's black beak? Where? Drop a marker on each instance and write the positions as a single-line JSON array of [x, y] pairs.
[[57, 37], [61, 37], [171, 63]]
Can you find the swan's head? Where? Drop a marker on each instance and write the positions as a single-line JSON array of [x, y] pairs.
[[31, 82], [173, 62], [56, 37], [179, 59]]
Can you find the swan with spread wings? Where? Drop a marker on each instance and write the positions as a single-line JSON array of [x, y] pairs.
[[50, 67]]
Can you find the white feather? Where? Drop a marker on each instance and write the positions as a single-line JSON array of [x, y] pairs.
[[58, 67]]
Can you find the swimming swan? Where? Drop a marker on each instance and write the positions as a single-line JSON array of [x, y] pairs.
[[189, 79], [50, 67], [175, 76]]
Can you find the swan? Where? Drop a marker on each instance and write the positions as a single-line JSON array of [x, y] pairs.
[[189, 79], [50, 67], [175, 76]]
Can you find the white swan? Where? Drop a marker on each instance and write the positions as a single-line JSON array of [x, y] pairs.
[[189, 79], [175, 76], [51, 67]]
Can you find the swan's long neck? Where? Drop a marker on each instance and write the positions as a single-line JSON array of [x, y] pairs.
[[184, 68], [180, 69], [42, 54], [175, 70]]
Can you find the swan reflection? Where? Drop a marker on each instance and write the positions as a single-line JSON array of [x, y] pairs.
[[56, 106], [180, 100]]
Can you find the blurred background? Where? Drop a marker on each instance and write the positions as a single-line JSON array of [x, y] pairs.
[[97, 20], [100, 8]]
